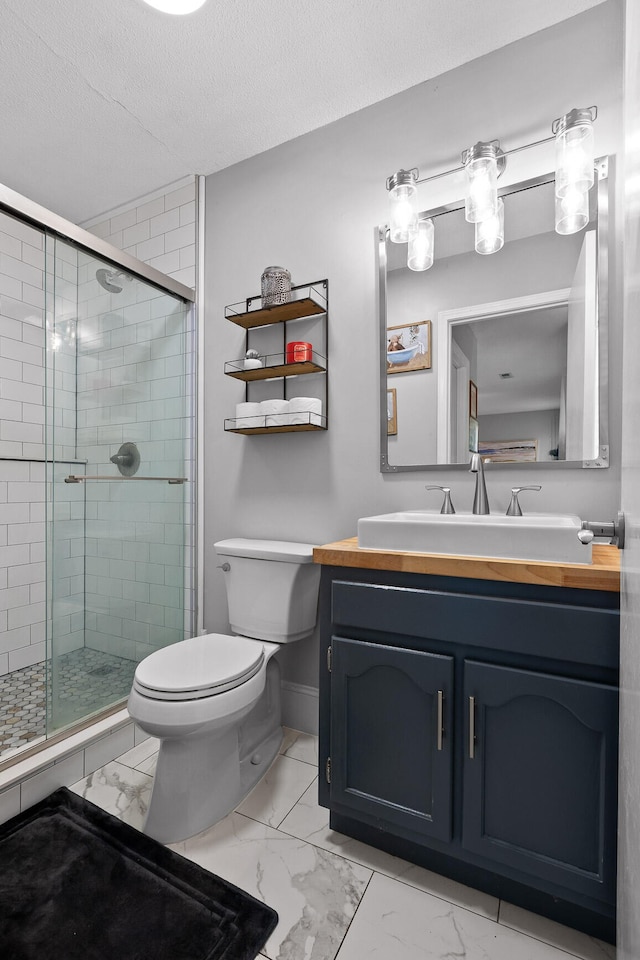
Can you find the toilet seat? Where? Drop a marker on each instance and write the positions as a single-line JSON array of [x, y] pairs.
[[197, 668]]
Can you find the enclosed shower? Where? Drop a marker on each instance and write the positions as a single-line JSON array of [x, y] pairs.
[[98, 493]]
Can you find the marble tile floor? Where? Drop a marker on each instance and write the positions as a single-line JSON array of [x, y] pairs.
[[85, 681], [337, 898]]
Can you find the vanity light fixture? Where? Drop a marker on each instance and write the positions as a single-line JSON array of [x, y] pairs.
[[483, 164], [575, 156], [575, 153], [178, 7], [572, 211], [420, 250], [403, 200], [490, 232]]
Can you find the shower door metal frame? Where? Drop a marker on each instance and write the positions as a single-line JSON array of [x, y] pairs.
[[24, 209]]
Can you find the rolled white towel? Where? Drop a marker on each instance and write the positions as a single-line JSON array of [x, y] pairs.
[[276, 413], [249, 415], [306, 410]]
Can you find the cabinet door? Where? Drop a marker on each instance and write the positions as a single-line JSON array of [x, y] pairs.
[[540, 776], [391, 736]]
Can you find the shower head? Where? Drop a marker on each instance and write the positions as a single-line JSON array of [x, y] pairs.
[[108, 279]]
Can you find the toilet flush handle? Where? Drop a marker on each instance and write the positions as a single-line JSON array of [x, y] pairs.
[[225, 567]]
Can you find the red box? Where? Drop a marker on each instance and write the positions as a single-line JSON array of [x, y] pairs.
[[298, 351]]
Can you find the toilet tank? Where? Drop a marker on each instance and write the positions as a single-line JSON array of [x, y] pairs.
[[272, 588]]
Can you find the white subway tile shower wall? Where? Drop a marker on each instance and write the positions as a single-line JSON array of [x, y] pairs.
[[131, 388], [22, 607], [22, 616], [61, 302], [21, 339], [161, 230], [25, 336]]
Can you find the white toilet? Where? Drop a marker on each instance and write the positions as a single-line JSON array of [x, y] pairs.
[[214, 701]]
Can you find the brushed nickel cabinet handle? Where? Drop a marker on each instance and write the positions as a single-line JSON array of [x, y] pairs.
[[472, 727], [440, 720]]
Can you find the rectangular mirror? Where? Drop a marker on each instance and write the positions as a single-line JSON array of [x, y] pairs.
[[514, 364]]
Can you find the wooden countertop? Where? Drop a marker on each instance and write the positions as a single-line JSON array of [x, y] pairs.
[[603, 573]]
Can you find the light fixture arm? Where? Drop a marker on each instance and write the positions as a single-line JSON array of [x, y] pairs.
[[590, 113], [505, 154]]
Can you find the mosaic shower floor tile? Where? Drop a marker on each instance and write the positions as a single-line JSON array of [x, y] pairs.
[[84, 680]]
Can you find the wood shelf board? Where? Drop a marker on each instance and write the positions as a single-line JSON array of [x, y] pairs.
[[603, 573], [294, 310], [290, 428], [281, 370]]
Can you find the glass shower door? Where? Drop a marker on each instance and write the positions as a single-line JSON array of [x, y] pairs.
[[120, 387]]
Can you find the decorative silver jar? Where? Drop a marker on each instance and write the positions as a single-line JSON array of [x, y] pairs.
[[276, 286]]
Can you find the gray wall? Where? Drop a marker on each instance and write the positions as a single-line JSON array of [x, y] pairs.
[[312, 205], [540, 425]]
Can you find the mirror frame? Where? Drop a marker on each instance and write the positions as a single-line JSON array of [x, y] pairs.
[[600, 200]]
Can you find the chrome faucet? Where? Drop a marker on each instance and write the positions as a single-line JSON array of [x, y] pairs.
[[480, 498], [514, 509], [447, 506]]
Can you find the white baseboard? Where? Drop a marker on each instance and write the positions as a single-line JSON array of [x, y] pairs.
[[300, 707]]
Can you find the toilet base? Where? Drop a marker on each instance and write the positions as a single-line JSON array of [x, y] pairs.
[[201, 778], [254, 767], [196, 779], [185, 803]]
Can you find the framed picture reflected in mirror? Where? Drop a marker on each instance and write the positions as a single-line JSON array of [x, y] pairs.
[[409, 347], [473, 400], [392, 412]]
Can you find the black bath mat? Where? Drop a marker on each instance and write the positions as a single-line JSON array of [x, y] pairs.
[[78, 884]]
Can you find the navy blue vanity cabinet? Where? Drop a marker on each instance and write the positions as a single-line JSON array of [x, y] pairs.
[[540, 775], [470, 726], [391, 749]]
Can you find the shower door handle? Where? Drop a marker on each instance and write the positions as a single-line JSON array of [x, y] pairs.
[[79, 478]]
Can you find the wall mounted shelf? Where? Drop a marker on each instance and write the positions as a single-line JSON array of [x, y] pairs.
[[316, 422], [281, 313], [308, 301], [275, 367]]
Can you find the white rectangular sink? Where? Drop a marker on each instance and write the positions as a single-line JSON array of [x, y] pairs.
[[546, 537]]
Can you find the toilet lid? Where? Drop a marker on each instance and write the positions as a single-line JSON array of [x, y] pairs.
[[199, 667]]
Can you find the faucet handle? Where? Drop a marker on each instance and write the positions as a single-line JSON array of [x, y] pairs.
[[447, 506], [514, 509]]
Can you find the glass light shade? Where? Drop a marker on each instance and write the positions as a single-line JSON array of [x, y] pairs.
[[403, 200], [572, 211], [575, 152], [481, 199], [420, 249], [490, 232], [176, 6]]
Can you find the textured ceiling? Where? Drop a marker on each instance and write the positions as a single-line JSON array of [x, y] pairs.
[[105, 100]]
